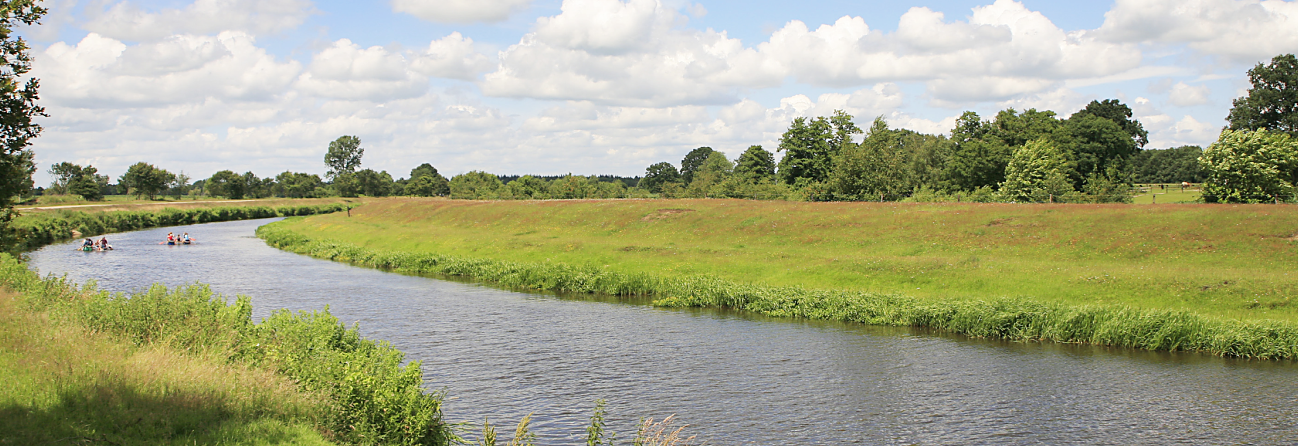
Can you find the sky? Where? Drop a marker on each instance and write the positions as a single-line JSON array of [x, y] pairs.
[[550, 87]]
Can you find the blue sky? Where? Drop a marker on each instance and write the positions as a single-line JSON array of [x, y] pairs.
[[605, 86]]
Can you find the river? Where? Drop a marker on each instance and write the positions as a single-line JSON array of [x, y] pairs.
[[734, 378]]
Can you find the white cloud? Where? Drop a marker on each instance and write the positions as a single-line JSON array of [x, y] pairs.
[[126, 21], [451, 57], [100, 72], [347, 71], [1241, 30], [460, 11], [1184, 95]]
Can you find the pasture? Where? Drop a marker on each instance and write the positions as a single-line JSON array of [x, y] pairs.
[[1222, 261]]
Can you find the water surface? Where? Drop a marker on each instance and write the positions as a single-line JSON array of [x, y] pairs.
[[734, 378]]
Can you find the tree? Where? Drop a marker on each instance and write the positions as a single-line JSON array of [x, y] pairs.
[[17, 110], [658, 175], [1168, 166], [227, 184], [875, 167], [434, 185], [63, 174], [146, 180], [374, 184], [693, 161], [475, 185], [180, 185], [344, 156], [1250, 167], [1120, 114], [810, 146], [977, 159], [716, 169], [1272, 102], [1096, 146], [756, 164], [1037, 172], [527, 187]]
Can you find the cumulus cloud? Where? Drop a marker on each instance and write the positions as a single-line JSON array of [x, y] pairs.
[[638, 53], [347, 71], [127, 21], [1184, 95], [451, 57], [1241, 30], [102, 72], [460, 11]]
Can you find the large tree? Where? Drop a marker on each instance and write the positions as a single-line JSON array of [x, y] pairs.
[[425, 181], [1120, 114], [1272, 102], [1251, 166], [1037, 172], [658, 175], [17, 109], [977, 159], [227, 184], [344, 156], [810, 146], [756, 164], [693, 161], [146, 180]]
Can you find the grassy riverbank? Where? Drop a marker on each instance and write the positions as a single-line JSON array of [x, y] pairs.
[[184, 366], [1198, 277]]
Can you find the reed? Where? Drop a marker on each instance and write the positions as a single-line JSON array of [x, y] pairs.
[[1013, 318]]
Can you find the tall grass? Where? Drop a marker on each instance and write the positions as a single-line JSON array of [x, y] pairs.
[[1008, 318], [368, 395], [39, 229]]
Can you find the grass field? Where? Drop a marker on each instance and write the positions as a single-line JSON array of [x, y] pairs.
[[1166, 194], [129, 203], [1223, 261]]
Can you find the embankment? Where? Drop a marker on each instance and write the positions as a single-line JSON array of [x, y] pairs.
[[723, 253], [186, 366]]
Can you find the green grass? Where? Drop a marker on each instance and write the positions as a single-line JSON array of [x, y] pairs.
[[1167, 194], [63, 384], [184, 366], [858, 261], [1231, 261]]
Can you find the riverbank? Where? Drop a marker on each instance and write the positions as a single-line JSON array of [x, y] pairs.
[[1107, 274], [185, 366]]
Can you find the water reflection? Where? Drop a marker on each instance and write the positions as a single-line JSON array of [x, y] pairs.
[[736, 378]]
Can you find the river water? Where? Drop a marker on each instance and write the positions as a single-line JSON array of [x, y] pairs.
[[734, 378]]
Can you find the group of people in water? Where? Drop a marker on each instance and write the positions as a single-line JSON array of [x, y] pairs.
[[173, 239], [102, 244], [92, 245]]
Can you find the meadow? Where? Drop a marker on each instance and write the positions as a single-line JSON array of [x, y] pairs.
[[1225, 267]]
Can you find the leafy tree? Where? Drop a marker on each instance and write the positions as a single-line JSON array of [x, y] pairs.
[[811, 145], [344, 156], [755, 164], [146, 180], [63, 174], [17, 110], [346, 185], [475, 185], [297, 184], [1037, 172], [528, 187], [1015, 129], [227, 184], [977, 159], [1096, 146], [86, 186], [1250, 167], [74, 179], [1168, 166], [1272, 102], [1120, 114], [179, 185], [874, 168], [693, 161], [658, 175], [375, 184], [716, 169]]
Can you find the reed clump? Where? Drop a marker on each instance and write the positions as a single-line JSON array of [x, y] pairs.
[[1013, 318], [361, 391]]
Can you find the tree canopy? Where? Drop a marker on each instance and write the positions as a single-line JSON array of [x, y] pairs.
[[146, 180], [18, 108], [344, 156], [1272, 101], [693, 161], [1251, 166]]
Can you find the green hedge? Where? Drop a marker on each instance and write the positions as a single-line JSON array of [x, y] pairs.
[[372, 398], [1006, 318], [40, 229]]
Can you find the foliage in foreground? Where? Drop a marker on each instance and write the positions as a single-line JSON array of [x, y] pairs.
[[1007, 318], [37, 230], [369, 397]]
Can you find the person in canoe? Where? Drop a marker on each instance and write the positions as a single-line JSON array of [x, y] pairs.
[[88, 245], [186, 240], [102, 244], [171, 238]]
